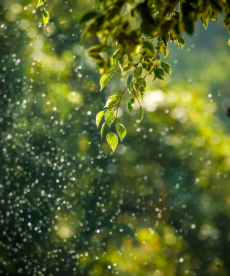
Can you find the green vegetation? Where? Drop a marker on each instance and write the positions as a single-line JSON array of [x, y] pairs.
[[159, 204]]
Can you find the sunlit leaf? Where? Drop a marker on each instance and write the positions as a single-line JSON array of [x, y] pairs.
[[45, 16], [112, 100], [104, 79], [166, 67], [112, 140], [121, 130], [99, 117], [141, 113], [40, 2], [130, 104], [110, 115], [102, 129]]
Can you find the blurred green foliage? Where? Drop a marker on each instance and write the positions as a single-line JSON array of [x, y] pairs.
[[158, 206]]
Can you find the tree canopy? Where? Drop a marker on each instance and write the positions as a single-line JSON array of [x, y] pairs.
[[134, 36]]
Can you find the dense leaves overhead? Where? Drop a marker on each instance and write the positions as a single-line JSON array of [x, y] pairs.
[[139, 33]]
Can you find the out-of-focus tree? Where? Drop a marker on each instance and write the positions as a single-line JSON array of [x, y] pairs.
[[158, 206]]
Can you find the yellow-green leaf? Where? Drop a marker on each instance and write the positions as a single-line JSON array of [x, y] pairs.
[[104, 79], [99, 117], [141, 113], [40, 2], [102, 129], [45, 16], [112, 100], [112, 140], [121, 130]]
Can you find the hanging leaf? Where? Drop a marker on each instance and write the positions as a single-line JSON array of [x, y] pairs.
[[40, 3], [99, 117], [165, 51], [121, 130], [141, 113], [181, 41], [112, 100], [129, 81], [102, 129], [130, 104], [166, 67], [88, 16], [104, 79], [159, 73], [45, 16], [110, 115], [138, 72], [112, 140]]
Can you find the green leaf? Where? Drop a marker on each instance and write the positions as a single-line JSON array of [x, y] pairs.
[[121, 130], [112, 140], [166, 67], [45, 16], [129, 81], [102, 129], [88, 16], [159, 73], [99, 117], [112, 100], [141, 113], [130, 104], [40, 3], [110, 115], [104, 79], [149, 47], [229, 42], [138, 72]]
